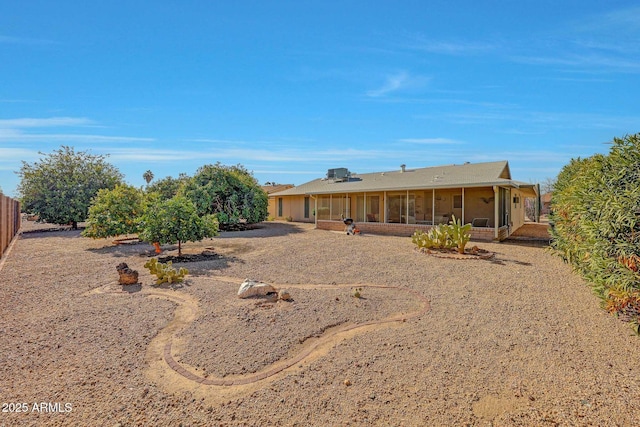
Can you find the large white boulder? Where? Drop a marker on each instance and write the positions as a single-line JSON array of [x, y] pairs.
[[253, 288]]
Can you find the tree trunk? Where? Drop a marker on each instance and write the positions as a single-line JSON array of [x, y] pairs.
[[179, 248], [74, 225]]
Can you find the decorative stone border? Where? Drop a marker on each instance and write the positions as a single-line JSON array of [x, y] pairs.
[[455, 255], [187, 310]]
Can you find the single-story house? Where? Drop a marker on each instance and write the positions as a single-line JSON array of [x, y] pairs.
[[399, 202]]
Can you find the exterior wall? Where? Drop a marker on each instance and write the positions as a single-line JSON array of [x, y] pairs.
[[272, 208], [517, 209], [407, 230], [292, 206], [479, 203]]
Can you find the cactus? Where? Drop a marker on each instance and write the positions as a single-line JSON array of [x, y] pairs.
[[165, 272], [460, 235], [444, 236]]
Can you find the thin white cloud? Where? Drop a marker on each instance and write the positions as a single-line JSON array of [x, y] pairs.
[[24, 41], [430, 141], [14, 154], [584, 61], [22, 130], [604, 42], [13, 136], [400, 81], [456, 48], [30, 122], [392, 84]]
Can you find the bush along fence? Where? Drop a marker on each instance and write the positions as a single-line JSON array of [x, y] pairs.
[[596, 224], [9, 221]]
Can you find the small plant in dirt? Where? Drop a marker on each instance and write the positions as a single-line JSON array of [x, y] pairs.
[[357, 293], [460, 234], [165, 271]]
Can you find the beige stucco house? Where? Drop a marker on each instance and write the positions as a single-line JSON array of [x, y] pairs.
[[401, 201]]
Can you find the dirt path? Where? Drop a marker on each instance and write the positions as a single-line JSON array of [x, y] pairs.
[[163, 368]]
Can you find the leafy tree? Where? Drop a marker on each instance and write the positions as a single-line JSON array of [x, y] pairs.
[[115, 212], [148, 176], [548, 184], [168, 187], [60, 186], [229, 192], [175, 221]]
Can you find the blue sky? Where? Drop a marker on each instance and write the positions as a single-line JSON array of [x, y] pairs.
[[291, 88]]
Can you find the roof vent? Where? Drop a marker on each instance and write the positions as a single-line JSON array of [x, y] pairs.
[[403, 167], [338, 174]]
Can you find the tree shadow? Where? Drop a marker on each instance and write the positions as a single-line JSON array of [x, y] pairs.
[[59, 232], [203, 268], [267, 229], [530, 242], [141, 249], [504, 261]]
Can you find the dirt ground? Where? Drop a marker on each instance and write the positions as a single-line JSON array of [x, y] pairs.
[[517, 340]]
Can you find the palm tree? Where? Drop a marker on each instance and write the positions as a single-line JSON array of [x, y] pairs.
[[148, 176]]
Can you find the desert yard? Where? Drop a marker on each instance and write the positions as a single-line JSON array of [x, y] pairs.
[[517, 340]]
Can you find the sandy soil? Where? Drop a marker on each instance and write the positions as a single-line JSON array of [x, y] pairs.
[[516, 340]]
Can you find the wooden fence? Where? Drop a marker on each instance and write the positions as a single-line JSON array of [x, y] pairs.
[[9, 221]]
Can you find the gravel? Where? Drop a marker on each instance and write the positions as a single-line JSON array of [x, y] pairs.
[[517, 340]]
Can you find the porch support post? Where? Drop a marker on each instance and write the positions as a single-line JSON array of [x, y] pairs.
[[330, 207], [496, 210], [406, 214], [364, 208], [315, 210], [433, 207], [385, 207]]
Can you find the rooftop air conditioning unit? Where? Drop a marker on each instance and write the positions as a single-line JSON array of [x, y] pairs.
[[338, 174]]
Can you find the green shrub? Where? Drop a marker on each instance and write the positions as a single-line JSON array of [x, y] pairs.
[[596, 220], [165, 271], [115, 212]]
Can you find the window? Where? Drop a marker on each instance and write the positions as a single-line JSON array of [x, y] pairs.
[[279, 206], [457, 202], [306, 207]]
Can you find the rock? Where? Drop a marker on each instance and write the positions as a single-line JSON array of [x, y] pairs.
[[127, 275], [284, 295], [252, 288], [347, 382]]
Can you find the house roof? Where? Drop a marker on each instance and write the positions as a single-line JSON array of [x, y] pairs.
[[437, 177], [275, 188]]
